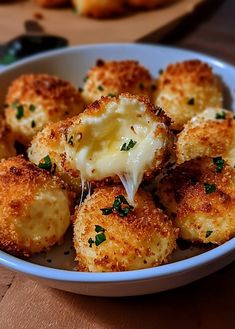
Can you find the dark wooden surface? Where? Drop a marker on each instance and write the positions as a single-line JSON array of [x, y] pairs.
[[205, 304]]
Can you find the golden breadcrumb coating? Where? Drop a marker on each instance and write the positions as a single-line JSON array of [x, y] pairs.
[[34, 207], [116, 77], [229, 154], [148, 3], [6, 140], [207, 134], [51, 3], [200, 196], [185, 89], [99, 9], [145, 237], [125, 137], [34, 100]]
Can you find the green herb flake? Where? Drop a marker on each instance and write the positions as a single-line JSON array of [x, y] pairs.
[[219, 162], [208, 233], [209, 188], [33, 124], [90, 241], [19, 111], [220, 116], [100, 88], [32, 108], [160, 71], [111, 95], [99, 238], [117, 206], [127, 147], [99, 229], [45, 163], [85, 79], [191, 101], [106, 211]]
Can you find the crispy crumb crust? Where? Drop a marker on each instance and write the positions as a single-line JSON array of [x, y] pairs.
[[144, 238], [6, 140], [116, 77], [189, 81], [202, 137], [54, 99], [195, 212], [53, 141], [20, 184], [99, 9]]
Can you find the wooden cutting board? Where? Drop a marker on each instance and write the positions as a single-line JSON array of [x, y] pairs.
[[80, 30]]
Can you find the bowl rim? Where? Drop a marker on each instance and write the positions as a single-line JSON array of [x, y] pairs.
[[185, 265]]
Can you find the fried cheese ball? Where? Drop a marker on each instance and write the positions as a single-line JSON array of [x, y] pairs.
[[6, 140], [200, 196], [208, 134], [122, 138], [111, 78], [185, 89], [123, 238], [147, 3], [34, 206], [99, 9], [34, 100], [52, 3], [229, 154]]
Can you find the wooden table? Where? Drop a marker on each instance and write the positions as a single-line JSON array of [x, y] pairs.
[[205, 304]]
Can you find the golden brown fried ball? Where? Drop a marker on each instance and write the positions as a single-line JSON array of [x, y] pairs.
[[207, 134], [200, 196], [99, 9], [6, 140], [34, 100], [147, 3], [123, 137], [106, 242], [185, 89], [34, 207], [111, 78], [51, 3], [229, 154]]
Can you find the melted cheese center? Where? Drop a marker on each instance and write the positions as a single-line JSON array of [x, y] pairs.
[[98, 153]]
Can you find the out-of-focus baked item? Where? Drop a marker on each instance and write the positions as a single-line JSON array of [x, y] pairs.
[[185, 89], [7, 148], [124, 238], [52, 3], [34, 100], [34, 207], [99, 9], [148, 3]]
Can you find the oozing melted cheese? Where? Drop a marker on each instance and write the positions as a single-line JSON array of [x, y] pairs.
[[98, 154]]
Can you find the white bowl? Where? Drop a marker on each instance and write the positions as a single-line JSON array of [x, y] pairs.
[[72, 64]]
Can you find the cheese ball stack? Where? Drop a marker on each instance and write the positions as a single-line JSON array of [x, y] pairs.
[[200, 196], [34, 100], [185, 89], [34, 206], [122, 138], [99, 9], [110, 235], [6, 140], [111, 78]]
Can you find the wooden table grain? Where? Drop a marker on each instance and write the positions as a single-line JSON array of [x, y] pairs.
[[205, 304]]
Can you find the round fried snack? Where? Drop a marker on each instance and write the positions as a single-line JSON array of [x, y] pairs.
[[112, 78], [123, 138], [148, 3], [207, 134], [99, 9], [34, 206], [229, 154], [34, 100], [200, 195], [51, 3], [6, 140], [110, 235], [185, 89]]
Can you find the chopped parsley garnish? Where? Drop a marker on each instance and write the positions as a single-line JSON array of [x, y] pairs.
[[118, 208], [70, 141], [208, 233], [209, 188], [45, 163], [32, 108], [33, 124], [99, 238], [141, 86], [191, 101], [127, 147], [221, 115], [160, 71], [99, 229], [111, 95], [100, 88], [19, 111], [90, 241], [219, 162]]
